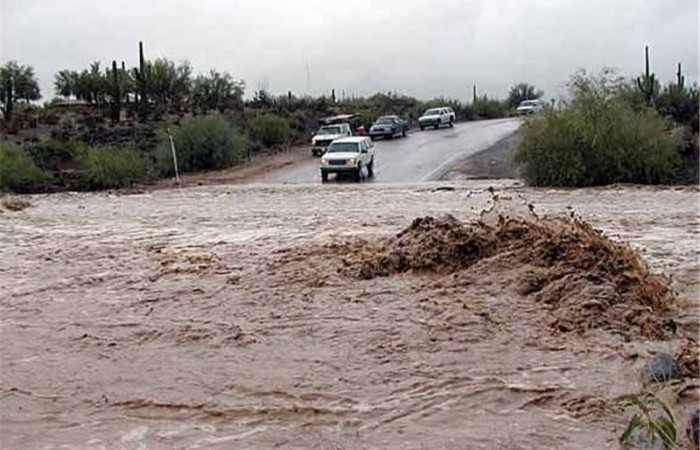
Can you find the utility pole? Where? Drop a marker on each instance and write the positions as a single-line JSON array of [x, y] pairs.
[[172, 149], [308, 80]]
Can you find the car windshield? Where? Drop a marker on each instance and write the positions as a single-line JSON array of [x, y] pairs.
[[529, 103], [433, 112], [342, 147], [385, 120], [328, 130]]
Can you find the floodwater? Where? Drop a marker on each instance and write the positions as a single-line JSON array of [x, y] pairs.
[[182, 319]]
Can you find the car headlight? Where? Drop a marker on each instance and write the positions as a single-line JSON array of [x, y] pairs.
[[350, 162], [324, 162]]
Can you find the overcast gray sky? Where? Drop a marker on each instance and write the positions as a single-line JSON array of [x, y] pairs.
[[419, 47]]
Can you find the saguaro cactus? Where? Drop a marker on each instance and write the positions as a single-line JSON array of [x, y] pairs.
[[141, 78], [680, 78], [124, 80], [647, 83], [9, 97], [474, 94], [116, 93]]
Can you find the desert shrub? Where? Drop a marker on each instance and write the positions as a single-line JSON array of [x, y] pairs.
[[522, 91], [17, 170], [108, 167], [201, 143], [51, 155], [489, 108], [547, 152], [597, 139], [270, 130], [680, 104]]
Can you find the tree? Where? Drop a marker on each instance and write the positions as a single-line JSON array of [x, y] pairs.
[[17, 82], [91, 85], [521, 92], [217, 91], [65, 83], [167, 83], [263, 99]]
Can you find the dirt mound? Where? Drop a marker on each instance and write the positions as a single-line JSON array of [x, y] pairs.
[[584, 278]]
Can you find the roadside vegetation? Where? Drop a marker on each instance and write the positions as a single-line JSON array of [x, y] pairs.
[[108, 127], [614, 130], [17, 170], [108, 167], [203, 143]]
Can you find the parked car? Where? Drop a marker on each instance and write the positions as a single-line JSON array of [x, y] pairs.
[[351, 155], [327, 134], [436, 117], [388, 127], [528, 107]]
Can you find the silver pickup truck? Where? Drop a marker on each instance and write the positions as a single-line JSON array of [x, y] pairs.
[[327, 134]]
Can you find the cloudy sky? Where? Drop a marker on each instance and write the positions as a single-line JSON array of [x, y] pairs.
[[420, 47]]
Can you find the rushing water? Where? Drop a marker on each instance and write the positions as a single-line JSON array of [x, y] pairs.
[[166, 320]]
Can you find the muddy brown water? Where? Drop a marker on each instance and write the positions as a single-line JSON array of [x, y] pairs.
[[178, 319]]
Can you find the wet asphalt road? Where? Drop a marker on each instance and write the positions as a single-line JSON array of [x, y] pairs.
[[421, 156]]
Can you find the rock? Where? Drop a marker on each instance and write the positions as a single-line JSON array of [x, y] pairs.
[[695, 429], [662, 368]]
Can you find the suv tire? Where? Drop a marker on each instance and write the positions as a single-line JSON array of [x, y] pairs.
[[358, 172]]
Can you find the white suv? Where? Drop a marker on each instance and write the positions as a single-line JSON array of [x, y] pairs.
[[351, 155], [528, 107], [326, 134], [435, 117]]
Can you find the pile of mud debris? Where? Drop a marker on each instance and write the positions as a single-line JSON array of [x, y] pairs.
[[582, 277]]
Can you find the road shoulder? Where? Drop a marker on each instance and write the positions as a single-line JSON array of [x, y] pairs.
[[491, 163]]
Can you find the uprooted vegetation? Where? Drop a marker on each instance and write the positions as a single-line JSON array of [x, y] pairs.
[[584, 279]]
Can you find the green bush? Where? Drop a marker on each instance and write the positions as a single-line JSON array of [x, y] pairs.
[[17, 170], [547, 152], [488, 108], [680, 104], [51, 155], [597, 139], [108, 167], [201, 143], [270, 130]]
